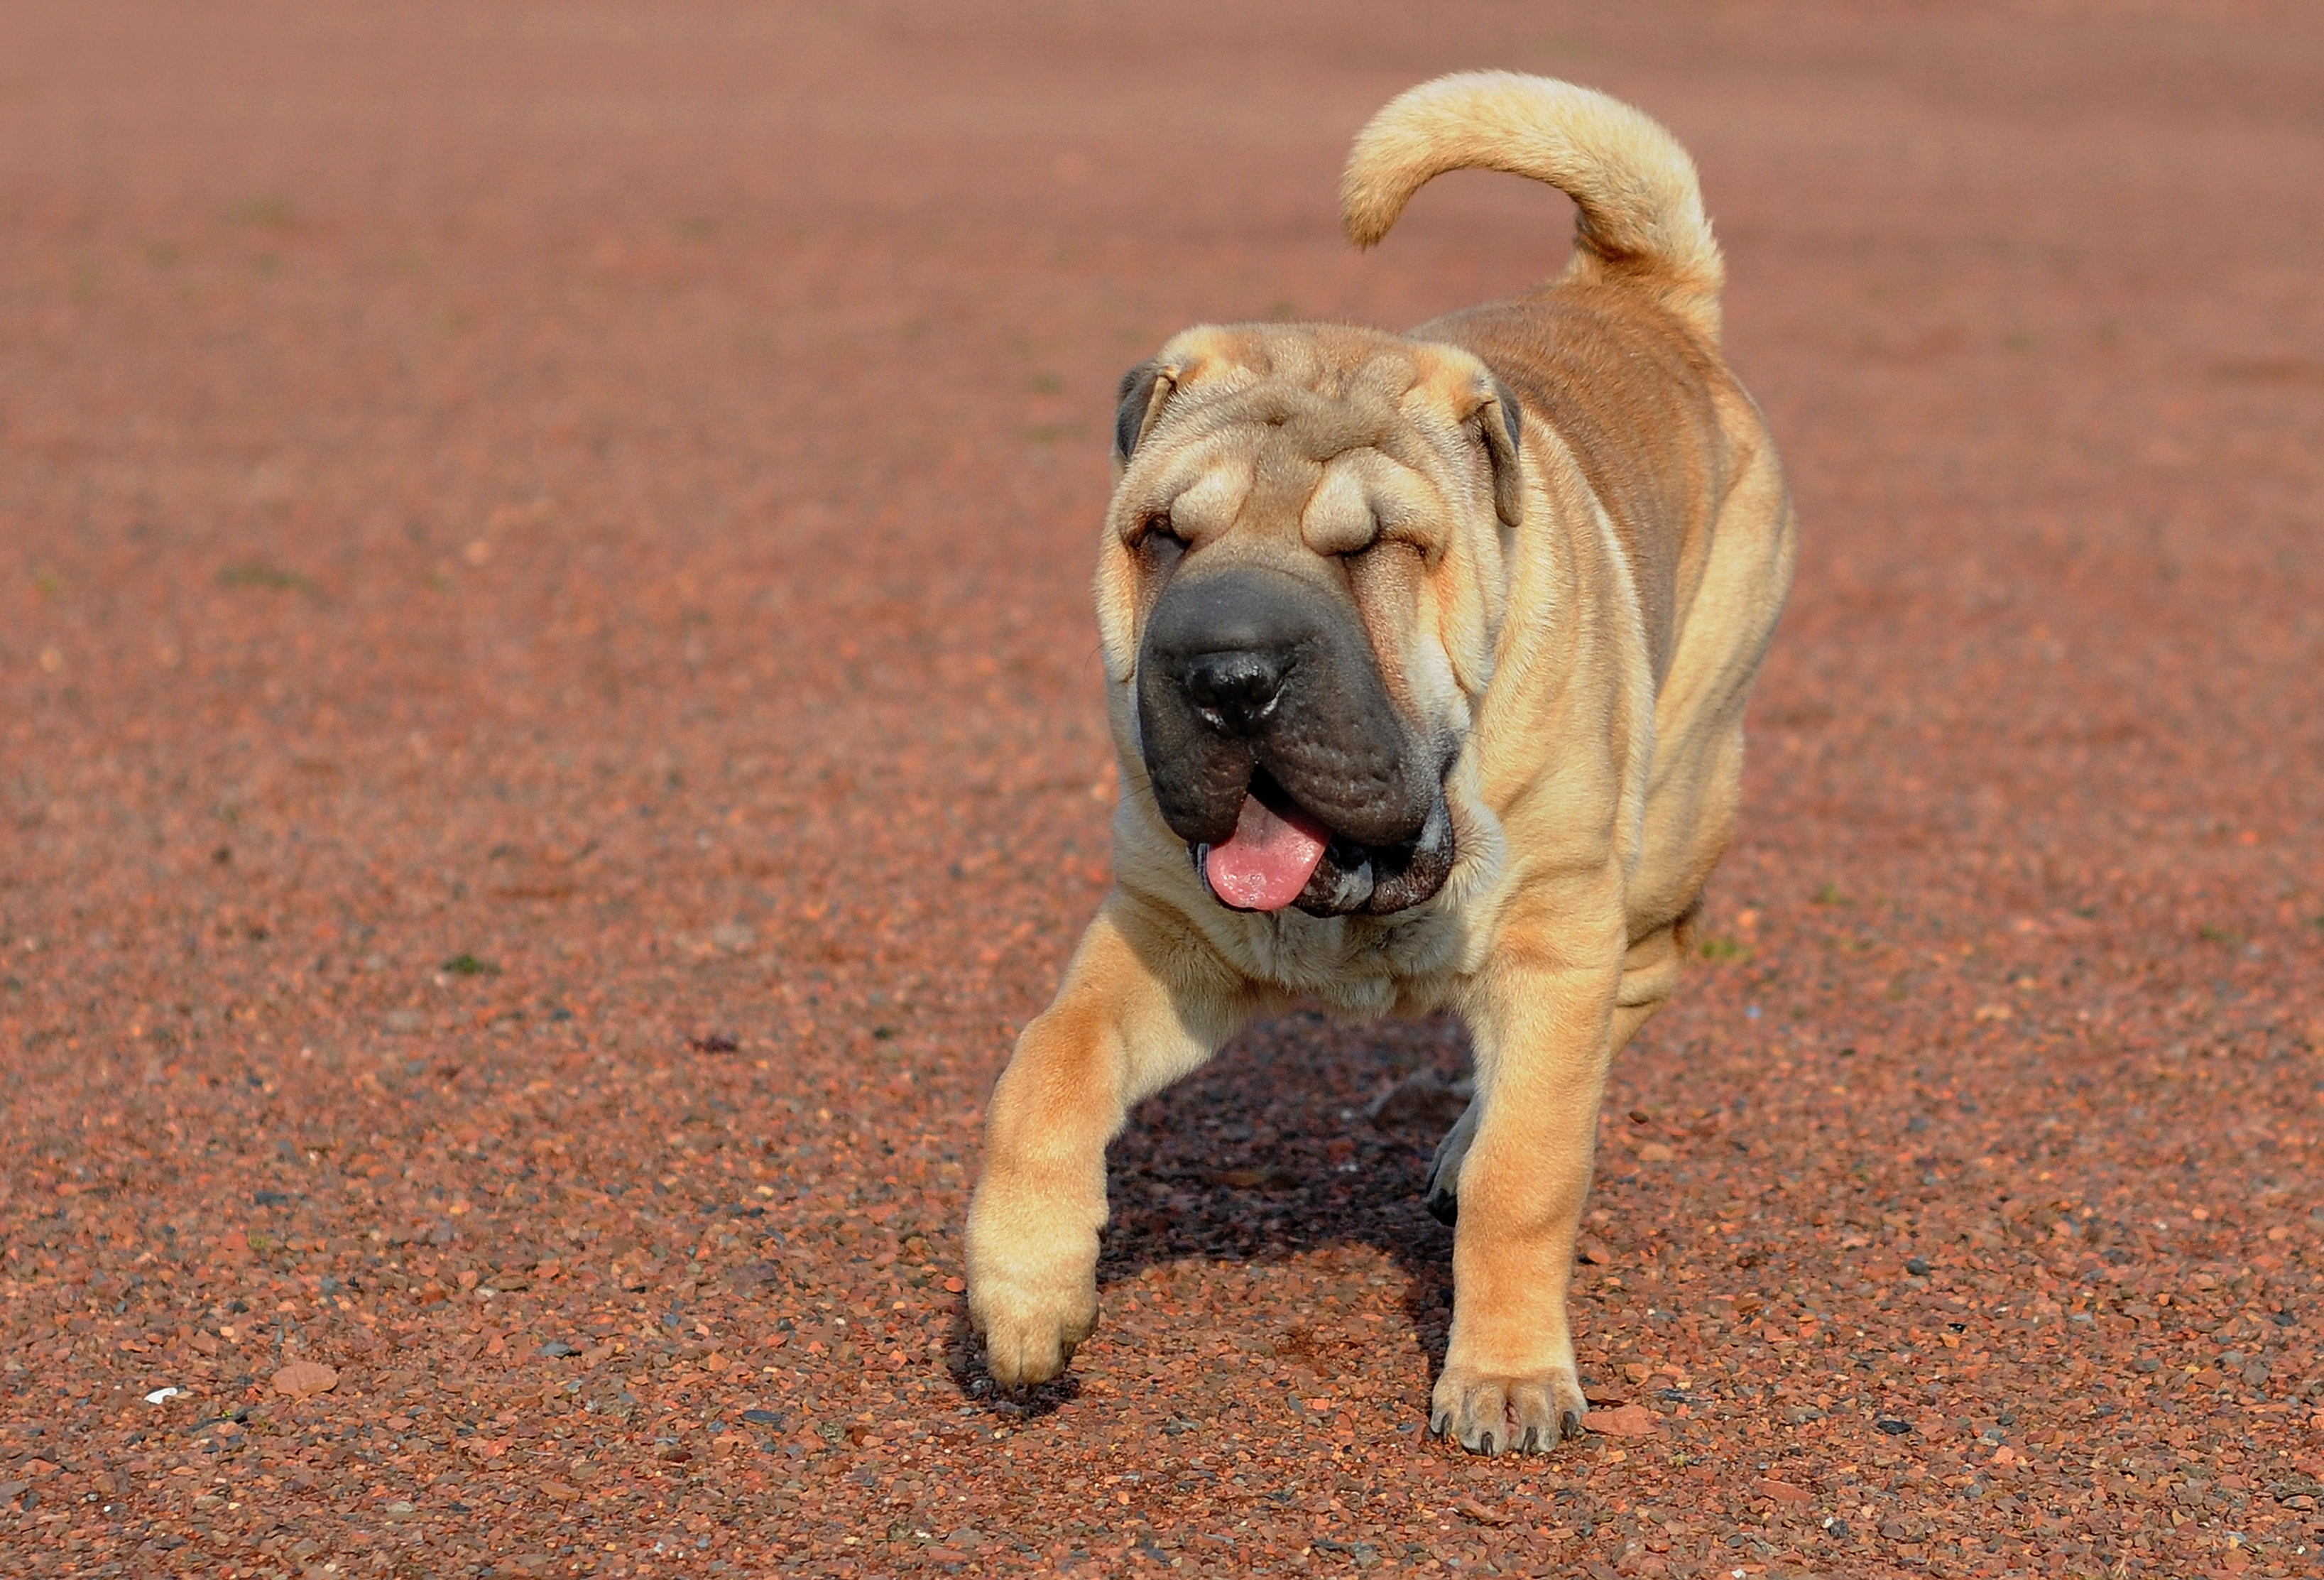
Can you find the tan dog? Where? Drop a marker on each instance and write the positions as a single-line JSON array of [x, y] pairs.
[[1426, 658]]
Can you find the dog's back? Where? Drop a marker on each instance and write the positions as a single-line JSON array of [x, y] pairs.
[[1619, 355]]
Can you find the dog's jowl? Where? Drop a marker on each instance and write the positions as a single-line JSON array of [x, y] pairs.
[[1426, 658]]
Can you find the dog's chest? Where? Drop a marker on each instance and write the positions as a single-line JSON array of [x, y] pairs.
[[1358, 966]]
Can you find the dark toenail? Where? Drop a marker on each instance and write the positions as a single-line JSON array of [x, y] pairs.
[[1485, 1444], [1533, 1439], [1571, 1424]]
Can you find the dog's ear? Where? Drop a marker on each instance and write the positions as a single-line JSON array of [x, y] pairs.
[[1499, 421], [1145, 390]]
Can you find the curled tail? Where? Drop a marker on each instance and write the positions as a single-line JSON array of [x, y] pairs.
[[1641, 221]]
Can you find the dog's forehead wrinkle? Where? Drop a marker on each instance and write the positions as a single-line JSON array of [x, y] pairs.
[[1211, 499], [1325, 434], [1319, 423], [1281, 483], [1339, 518]]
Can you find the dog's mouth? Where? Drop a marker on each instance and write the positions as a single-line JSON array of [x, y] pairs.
[[1280, 856]]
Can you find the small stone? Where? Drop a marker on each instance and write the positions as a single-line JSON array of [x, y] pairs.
[[400, 1509], [1655, 1152], [762, 1417], [558, 1491], [1785, 1492], [557, 1349], [752, 1279], [405, 1020], [304, 1379], [1629, 1420], [1892, 1425], [1918, 1267]]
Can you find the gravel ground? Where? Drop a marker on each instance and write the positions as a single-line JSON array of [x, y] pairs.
[[550, 735]]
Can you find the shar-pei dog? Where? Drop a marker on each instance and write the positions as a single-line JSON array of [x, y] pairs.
[[1426, 657]]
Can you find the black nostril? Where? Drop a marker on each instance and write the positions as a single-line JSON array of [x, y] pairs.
[[1239, 687]]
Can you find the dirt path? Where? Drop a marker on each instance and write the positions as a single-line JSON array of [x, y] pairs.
[[550, 736]]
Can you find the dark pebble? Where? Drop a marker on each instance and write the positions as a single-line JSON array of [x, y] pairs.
[[1918, 1267]]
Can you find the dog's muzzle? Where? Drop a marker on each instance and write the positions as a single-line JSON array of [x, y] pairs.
[[1276, 753]]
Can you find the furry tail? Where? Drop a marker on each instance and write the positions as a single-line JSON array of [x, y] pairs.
[[1641, 221]]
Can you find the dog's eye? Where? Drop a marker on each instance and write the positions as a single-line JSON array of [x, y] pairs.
[[1158, 543]]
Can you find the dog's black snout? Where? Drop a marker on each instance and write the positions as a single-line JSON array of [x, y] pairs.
[[1236, 690], [1227, 643]]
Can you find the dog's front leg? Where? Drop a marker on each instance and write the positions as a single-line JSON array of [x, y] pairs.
[[1139, 1007], [1541, 1024]]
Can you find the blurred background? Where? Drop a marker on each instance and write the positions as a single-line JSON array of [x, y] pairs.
[[546, 650]]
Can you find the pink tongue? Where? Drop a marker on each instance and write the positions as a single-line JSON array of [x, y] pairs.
[[1267, 861]]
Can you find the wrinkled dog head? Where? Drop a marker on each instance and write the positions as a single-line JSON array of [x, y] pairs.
[[1298, 594]]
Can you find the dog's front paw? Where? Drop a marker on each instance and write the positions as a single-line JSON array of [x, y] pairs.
[[1032, 1272], [1030, 1328], [1490, 1411]]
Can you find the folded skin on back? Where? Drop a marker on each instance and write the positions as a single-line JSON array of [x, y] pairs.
[[1426, 660]]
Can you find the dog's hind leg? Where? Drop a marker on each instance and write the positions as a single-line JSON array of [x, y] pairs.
[[1443, 1198], [1650, 971]]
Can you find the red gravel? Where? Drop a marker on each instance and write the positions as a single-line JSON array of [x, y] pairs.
[[549, 735]]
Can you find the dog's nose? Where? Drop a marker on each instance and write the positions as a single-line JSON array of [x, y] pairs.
[[1236, 690], [1224, 647]]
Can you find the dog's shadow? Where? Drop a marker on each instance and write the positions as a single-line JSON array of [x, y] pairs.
[[1268, 1152]]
